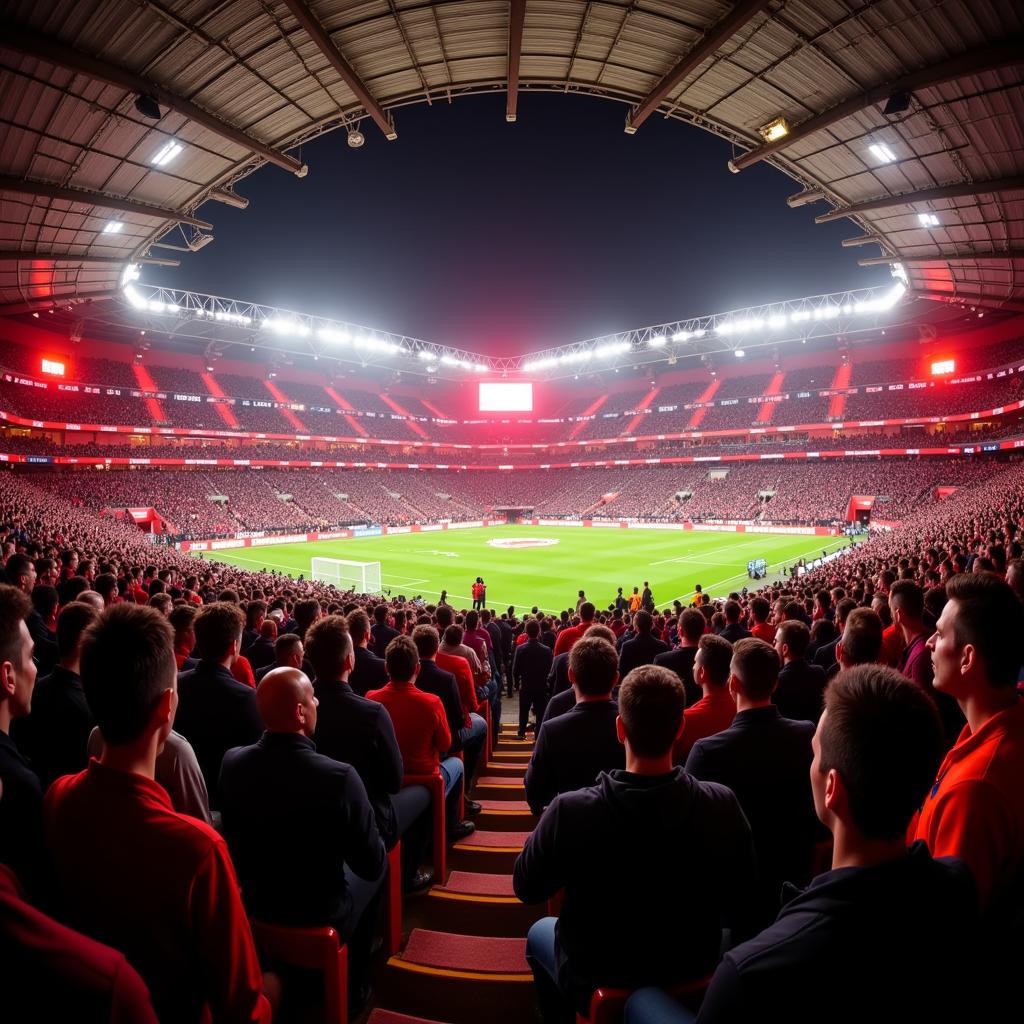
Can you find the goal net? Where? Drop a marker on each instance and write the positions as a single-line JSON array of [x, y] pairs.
[[362, 577]]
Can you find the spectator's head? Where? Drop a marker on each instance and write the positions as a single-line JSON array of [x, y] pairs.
[[162, 602], [17, 669], [21, 572], [861, 642], [472, 620], [906, 601], [753, 671], [402, 660], [593, 668], [843, 608], [286, 702], [305, 614], [268, 631], [732, 612], [129, 675], [445, 616], [329, 648], [600, 632], [255, 613], [876, 750], [643, 622], [106, 586], [532, 629], [691, 627], [1015, 577], [587, 611], [87, 596], [45, 600], [791, 640], [72, 622], [760, 609], [977, 644], [711, 665], [651, 705], [218, 629], [427, 642], [358, 627], [183, 620], [289, 650]]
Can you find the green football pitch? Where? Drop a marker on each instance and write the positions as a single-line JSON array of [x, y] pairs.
[[564, 560]]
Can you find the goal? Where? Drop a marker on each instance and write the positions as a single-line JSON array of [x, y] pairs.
[[362, 577]]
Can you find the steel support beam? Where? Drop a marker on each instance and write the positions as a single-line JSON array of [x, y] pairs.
[[925, 195], [516, 17], [229, 198], [967, 254], [54, 52], [972, 62], [803, 198], [712, 39], [326, 46], [53, 301], [974, 298], [80, 195], [849, 243], [59, 257]]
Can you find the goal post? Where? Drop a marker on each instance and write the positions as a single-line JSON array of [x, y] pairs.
[[362, 577]]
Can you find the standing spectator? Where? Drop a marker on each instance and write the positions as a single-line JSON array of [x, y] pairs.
[[165, 893], [182, 620], [381, 633], [530, 667], [647, 598], [716, 709], [643, 648], [656, 825], [261, 652], [568, 636], [825, 656], [369, 672], [764, 759], [734, 629], [801, 690], [690, 629], [760, 609]]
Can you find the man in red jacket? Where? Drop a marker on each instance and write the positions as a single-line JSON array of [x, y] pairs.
[[165, 892]]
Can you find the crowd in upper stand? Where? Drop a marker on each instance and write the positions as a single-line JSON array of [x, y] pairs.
[[808, 795]]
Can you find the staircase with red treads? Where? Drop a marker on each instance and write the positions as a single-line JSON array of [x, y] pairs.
[[288, 414], [837, 404], [705, 396], [767, 410], [466, 962]]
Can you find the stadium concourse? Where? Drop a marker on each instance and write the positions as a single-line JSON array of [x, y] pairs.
[[228, 794]]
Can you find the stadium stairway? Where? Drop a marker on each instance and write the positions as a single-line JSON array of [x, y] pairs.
[[464, 958]]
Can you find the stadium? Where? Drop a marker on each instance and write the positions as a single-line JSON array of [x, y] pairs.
[[512, 509]]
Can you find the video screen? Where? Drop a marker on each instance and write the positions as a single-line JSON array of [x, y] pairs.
[[502, 396]]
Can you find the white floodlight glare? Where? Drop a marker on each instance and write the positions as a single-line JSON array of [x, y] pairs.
[[113, 227], [680, 335], [699, 333], [739, 353], [333, 335], [286, 327], [881, 152], [581, 356], [135, 299], [155, 306], [900, 273], [479, 368], [657, 341], [777, 321], [725, 328], [166, 153], [612, 348], [130, 273], [928, 220], [429, 357]]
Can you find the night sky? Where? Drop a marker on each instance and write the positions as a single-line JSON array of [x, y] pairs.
[[504, 238]]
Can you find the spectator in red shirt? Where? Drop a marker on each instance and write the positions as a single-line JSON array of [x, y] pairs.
[[182, 620], [760, 609], [421, 728], [568, 636], [716, 709], [975, 810], [165, 893]]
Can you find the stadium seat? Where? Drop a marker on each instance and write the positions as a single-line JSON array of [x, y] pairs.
[[316, 949], [394, 899], [435, 784], [607, 1004], [489, 851]]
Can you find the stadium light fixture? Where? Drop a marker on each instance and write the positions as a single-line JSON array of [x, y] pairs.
[[699, 333], [739, 353], [610, 349], [148, 107], [928, 220], [658, 341], [333, 335], [774, 130], [155, 306], [429, 357], [777, 321], [113, 227], [166, 153], [286, 327], [680, 335], [881, 152]]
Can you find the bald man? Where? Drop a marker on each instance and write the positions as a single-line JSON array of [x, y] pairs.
[[300, 827]]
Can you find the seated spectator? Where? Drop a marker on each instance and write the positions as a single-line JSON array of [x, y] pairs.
[[289, 652], [734, 629], [801, 690], [574, 748], [565, 700], [55, 736], [643, 648], [459, 667], [20, 822], [716, 709], [165, 893], [530, 666], [255, 616], [975, 810], [182, 620], [647, 827], [359, 732], [290, 811], [468, 731], [421, 729], [369, 672], [690, 629], [887, 934], [215, 711], [764, 759]]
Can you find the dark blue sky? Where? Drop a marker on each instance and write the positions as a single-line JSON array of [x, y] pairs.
[[503, 238]]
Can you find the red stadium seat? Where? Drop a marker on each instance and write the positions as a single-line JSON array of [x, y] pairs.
[[607, 1004], [435, 784]]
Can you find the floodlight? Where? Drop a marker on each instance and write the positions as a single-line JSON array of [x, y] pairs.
[[680, 335], [739, 353], [774, 130], [882, 153], [355, 138], [113, 227], [333, 335], [166, 153], [148, 107], [657, 341], [898, 103], [928, 220]]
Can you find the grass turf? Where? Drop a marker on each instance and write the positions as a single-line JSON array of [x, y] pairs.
[[596, 560]]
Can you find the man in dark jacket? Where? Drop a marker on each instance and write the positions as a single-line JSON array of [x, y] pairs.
[[370, 672], [801, 690], [565, 700], [734, 629], [530, 667], [764, 759], [215, 711], [691, 628], [888, 933], [290, 812], [382, 633], [644, 646], [620, 848], [573, 749], [261, 651]]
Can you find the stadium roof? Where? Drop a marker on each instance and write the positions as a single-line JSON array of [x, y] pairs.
[[97, 96]]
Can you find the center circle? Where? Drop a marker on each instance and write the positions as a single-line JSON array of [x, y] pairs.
[[521, 542]]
